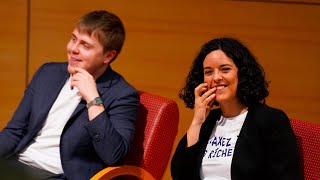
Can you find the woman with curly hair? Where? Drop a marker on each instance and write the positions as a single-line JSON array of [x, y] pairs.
[[244, 138]]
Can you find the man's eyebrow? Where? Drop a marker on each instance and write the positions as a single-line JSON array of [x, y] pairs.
[[86, 42]]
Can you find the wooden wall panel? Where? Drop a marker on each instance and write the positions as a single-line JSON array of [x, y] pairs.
[[12, 56], [163, 38]]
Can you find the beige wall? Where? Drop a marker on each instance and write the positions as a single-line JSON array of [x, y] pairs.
[[163, 38]]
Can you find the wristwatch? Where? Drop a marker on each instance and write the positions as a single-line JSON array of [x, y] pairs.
[[96, 101]]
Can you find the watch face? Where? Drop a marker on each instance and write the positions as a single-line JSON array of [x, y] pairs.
[[98, 100]]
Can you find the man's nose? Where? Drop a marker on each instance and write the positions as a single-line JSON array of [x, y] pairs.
[[75, 48]]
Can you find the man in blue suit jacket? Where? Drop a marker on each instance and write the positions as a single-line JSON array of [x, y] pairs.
[[78, 117]]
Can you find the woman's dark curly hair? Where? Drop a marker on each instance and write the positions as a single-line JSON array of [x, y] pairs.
[[252, 85]]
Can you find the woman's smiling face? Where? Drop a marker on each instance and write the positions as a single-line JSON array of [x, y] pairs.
[[221, 72]]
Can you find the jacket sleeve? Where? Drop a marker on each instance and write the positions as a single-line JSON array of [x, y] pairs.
[[185, 161], [281, 149], [112, 131], [16, 128]]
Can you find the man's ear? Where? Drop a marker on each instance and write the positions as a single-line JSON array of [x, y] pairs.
[[109, 56]]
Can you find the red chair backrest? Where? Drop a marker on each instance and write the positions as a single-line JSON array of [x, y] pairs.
[[308, 140], [156, 129]]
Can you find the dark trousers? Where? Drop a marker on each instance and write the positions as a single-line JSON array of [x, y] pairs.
[[18, 168]]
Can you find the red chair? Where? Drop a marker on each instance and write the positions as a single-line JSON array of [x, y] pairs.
[[308, 140], [156, 130]]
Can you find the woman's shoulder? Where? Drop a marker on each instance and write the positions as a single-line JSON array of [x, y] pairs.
[[264, 109], [267, 115]]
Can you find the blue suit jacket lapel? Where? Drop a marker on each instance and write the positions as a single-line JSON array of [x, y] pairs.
[[50, 94]]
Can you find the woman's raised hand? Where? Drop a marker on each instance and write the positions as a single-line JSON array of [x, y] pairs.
[[204, 99]]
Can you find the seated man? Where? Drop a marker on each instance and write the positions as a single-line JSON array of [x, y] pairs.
[[78, 117]]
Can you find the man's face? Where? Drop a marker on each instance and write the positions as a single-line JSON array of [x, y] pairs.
[[86, 52]]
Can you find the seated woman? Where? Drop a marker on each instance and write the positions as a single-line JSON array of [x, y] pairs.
[[242, 139]]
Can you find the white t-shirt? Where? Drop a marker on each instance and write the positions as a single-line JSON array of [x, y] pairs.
[[216, 163], [44, 151]]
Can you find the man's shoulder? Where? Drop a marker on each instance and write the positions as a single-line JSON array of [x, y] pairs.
[[54, 65], [121, 86], [51, 71]]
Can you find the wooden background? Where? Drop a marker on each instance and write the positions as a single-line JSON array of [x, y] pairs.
[[163, 38]]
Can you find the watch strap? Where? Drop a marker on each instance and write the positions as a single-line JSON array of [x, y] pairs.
[[95, 101]]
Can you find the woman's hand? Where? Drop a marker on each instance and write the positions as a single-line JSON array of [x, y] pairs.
[[204, 99]]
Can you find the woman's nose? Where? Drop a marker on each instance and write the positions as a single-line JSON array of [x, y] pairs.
[[217, 77]]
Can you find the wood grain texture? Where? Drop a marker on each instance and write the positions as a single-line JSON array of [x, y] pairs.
[[299, 2], [164, 37], [12, 56]]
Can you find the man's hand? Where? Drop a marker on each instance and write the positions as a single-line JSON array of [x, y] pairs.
[[87, 87], [85, 83]]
